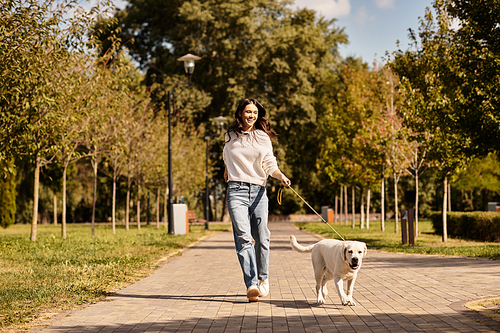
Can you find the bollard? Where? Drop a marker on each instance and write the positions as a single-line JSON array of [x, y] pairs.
[[411, 229], [404, 232]]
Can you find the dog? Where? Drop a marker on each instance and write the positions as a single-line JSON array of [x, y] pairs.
[[337, 260]]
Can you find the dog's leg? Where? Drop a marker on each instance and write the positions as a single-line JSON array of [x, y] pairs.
[[350, 290], [339, 284], [319, 285], [328, 277], [319, 273]]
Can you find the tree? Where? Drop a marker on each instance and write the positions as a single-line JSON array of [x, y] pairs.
[[475, 68], [97, 137], [75, 120], [428, 75], [36, 53], [33, 53], [481, 174], [300, 76], [263, 49], [357, 126]]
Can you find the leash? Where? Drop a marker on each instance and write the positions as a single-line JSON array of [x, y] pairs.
[[280, 195]]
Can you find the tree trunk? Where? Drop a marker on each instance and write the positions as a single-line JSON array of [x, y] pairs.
[[165, 207], [362, 210], [445, 201], [35, 199], [148, 210], [63, 218], [225, 215], [336, 211], [224, 210], [396, 209], [55, 209], [113, 208], [158, 208], [382, 203], [416, 204], [341, 208], [368, 198], [353, 198], [449, 197], [138, 206], [127, 205], [345, 205], [94, 199]]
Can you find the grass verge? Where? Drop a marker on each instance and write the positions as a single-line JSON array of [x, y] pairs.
[[52, 275], [426, 243], [487, 307]]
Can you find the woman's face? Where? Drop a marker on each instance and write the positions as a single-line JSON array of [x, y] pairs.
[[249, 116]]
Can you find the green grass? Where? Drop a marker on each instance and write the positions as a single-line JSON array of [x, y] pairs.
[[52, 274], [426, 243]]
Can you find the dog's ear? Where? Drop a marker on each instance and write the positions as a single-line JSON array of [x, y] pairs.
[[344, 253], [365, 251]]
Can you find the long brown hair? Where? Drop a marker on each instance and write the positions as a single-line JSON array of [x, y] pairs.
[[262, 123]]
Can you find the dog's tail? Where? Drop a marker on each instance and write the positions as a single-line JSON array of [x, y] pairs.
[[299, 248]]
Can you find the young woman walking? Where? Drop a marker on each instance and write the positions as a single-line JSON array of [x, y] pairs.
[[249, 159]]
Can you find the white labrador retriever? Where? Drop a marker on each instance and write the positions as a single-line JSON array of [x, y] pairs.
[[337, 260]]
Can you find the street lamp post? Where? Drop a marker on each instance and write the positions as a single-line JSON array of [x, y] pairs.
[[220, 123], [189, 61]]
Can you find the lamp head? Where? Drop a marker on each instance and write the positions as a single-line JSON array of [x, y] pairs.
[[189, 60], [220, 120]]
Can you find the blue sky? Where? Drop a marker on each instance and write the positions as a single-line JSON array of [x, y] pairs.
[[372, 26]]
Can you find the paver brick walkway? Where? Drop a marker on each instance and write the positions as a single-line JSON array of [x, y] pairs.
[[203, 291]]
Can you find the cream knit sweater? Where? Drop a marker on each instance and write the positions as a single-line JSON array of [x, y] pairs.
[[249, 157]]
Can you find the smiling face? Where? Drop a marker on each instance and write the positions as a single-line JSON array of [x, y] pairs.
[[249, 116]]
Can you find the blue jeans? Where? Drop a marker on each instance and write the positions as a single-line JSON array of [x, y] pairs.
[[248, 207]]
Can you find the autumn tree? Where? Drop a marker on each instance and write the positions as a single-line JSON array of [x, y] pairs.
[[358, 130]]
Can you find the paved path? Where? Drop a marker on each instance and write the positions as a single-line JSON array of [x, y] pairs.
[[203, 291]]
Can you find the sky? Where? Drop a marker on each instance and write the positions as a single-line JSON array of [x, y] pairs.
[[372, 26]]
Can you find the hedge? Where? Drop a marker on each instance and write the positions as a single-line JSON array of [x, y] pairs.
[[483, 226]]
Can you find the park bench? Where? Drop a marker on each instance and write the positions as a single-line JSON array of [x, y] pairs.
[[192, 220]]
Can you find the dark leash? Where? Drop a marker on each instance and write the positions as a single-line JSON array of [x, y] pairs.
[[280, 194]]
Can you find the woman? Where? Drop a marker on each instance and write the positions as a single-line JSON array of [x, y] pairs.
[[249, 159]]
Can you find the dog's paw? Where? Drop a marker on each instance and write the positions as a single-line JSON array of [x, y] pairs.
[[344, 300], [348, 302], [321, 301]]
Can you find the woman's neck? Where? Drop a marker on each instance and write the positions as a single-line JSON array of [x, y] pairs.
[[248, 129]]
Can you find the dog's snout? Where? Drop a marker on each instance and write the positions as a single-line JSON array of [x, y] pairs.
[[354, 261]]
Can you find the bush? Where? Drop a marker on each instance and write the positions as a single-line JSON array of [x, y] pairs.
[[483, 226]]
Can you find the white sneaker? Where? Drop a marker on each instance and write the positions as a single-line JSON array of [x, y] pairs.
[[253, 294], [264, 287]]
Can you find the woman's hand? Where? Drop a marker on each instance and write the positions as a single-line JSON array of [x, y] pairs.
[[225, 174], [284, 180]]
